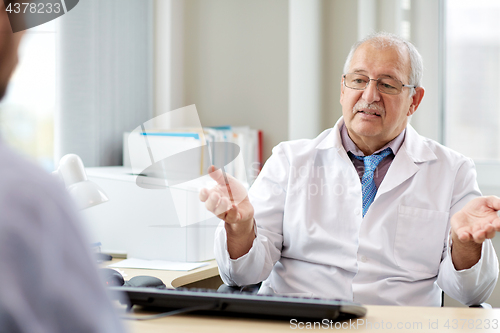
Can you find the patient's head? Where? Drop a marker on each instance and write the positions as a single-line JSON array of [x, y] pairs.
[[9, 43]]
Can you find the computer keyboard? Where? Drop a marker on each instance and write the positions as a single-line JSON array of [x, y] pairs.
[[241, 304]]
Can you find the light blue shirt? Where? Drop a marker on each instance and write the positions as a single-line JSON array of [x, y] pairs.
[[48, 279]]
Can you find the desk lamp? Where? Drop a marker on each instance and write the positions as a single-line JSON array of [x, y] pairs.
[[85, 193]]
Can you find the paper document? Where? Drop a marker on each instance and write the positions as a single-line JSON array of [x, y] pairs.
[[158, 264]]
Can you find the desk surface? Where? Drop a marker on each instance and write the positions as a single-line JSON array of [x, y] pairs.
[[378, 319]]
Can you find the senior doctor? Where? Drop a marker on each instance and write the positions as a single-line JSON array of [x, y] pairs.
[[369, 210]]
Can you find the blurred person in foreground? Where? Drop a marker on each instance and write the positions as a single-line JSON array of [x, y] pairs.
[[48, 278]]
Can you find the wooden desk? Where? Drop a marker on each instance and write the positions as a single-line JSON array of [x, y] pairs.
[[378, 319]]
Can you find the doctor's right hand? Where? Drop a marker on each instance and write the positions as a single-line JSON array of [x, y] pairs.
[[229, 202]]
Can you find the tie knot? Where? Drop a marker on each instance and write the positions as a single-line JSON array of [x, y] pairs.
[[372, 161]]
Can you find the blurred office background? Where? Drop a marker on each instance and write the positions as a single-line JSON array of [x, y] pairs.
[[109, 65]]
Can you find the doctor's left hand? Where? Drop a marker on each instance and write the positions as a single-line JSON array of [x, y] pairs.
[[470, 227], [477, 221]]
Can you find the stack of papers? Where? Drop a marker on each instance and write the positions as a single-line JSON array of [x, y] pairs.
[[158, 264]]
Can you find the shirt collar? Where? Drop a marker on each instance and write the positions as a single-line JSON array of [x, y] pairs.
[[350, 146]]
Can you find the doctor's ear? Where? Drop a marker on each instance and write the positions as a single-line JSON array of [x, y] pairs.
[[341, 88], [415, 100]]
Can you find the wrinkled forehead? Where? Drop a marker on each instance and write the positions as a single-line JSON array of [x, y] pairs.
[[391, 58]]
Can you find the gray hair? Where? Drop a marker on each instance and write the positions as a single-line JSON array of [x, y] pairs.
[[385, 39]]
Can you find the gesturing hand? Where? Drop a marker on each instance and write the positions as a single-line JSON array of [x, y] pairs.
[[229, 202], [477, 221]]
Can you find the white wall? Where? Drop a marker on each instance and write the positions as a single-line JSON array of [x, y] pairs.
[[425, 36], [230, 58], [305, 72], [340, 32]]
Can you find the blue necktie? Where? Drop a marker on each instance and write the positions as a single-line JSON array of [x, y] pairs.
[[368, 187]]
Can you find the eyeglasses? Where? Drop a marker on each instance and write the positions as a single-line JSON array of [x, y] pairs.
[[385, 85]]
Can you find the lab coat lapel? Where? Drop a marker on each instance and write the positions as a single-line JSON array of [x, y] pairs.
[[333, 140], [412, 153]]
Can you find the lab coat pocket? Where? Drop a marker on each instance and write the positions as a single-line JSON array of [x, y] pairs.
[[419, 241]]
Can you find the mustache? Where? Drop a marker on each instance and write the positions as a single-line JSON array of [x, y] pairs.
[[360, 105]]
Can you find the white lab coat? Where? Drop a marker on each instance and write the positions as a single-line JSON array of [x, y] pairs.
[[311, 238]]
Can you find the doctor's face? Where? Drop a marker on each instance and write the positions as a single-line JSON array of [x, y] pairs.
[[373, 118]]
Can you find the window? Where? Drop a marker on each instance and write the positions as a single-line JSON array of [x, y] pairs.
[[472, 78], [27, 110]]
